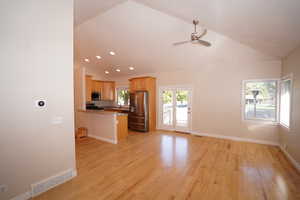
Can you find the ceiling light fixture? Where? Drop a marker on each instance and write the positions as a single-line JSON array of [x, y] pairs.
[[106, 72], [118, 70], [131, 68], [86, 60], [112, 53], [98, 57]]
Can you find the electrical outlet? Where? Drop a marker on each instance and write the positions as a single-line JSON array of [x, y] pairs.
[[3, 188]]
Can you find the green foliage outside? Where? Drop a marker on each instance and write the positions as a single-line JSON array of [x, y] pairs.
[[123, 97], [266, 89], [181, 96]]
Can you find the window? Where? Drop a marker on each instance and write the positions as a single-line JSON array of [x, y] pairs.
[[285, 101], [123, 96], [260, 100]]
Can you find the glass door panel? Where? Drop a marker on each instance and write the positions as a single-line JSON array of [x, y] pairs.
[[167, 107], [182, 108], [175, 109]]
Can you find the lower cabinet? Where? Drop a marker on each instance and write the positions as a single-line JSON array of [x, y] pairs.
[[122, 126]]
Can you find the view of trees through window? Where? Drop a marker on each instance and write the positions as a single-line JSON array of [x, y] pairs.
[[260, 100], [123, 97], [181, 96], [179, 106]]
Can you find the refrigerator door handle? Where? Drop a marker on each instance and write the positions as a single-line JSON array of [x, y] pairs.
[[132, 109]]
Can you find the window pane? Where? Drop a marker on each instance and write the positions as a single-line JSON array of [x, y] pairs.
[[260, 100], [123, 97], [285, 102]]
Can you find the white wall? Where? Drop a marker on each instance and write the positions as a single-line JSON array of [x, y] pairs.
[[217, 96], [291, 138], [36, 62]]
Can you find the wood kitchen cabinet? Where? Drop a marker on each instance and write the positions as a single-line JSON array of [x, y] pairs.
[[122, 127], [88, 87], [138, 84], [108, 90], [97, 86], [147, 83], [105, 88]]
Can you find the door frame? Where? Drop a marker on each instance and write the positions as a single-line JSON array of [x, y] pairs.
[[160, 109]]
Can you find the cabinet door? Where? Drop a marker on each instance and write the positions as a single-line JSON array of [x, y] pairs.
[[108, 91], [138, 84], [97, 86], [88, 87]]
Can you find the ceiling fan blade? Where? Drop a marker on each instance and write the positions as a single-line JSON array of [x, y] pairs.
[[179, 43], [204, 33], [204, 43]]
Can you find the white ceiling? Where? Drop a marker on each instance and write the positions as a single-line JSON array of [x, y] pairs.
[[86, 9], [271, 26], [142, 34]]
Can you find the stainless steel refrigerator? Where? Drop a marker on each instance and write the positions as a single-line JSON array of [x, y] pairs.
[[138, 117]]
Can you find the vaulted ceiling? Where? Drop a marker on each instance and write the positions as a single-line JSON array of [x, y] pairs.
[[141, 32]]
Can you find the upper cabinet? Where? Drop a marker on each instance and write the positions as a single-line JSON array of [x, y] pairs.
[[147, 83], [138, 84], [97, 86], [108, 90]]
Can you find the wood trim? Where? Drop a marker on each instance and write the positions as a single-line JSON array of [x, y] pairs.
[[142, 77]]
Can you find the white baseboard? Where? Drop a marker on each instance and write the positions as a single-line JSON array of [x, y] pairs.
[[24, 196], [47, 184], [51, 182], [235, 138], [103, 139], [290, 158]]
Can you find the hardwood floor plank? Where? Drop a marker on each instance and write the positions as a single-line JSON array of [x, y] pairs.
[[165, 165]]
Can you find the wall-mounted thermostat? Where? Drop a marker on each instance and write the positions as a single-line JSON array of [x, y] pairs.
[[40, 103]]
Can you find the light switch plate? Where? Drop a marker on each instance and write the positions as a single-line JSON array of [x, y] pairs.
[[57, 120]]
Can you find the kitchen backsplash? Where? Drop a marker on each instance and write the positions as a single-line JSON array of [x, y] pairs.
[[104, 103]]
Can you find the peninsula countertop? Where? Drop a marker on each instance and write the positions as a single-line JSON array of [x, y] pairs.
[[103, 112]]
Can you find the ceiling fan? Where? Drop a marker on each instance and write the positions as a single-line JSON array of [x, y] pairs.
[[195, 37]]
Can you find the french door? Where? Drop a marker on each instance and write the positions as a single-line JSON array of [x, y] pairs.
[[175, 108]]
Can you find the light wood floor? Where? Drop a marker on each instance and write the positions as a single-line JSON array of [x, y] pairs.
[[167, 166]]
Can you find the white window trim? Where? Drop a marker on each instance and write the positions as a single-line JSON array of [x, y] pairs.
[[257, 120], [287, 77], [116, 93]]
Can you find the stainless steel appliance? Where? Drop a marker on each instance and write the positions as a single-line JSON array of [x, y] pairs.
[[92, 106], [138, 117], [96, 96]]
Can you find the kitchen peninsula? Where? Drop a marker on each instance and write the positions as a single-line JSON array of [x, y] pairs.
[[97, 110], [108, 126]]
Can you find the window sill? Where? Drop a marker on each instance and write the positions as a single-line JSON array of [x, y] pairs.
[[285, 127], [265, 122]]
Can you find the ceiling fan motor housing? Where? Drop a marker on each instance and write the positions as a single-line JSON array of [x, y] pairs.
[[194, 36]]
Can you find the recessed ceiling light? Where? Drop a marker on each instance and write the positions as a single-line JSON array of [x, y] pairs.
[[98, 57], [86, 60], [131, 68], [112, 53], [118, 70], [106, 72]]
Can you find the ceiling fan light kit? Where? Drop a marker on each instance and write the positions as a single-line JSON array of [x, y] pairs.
[[195, 37]]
